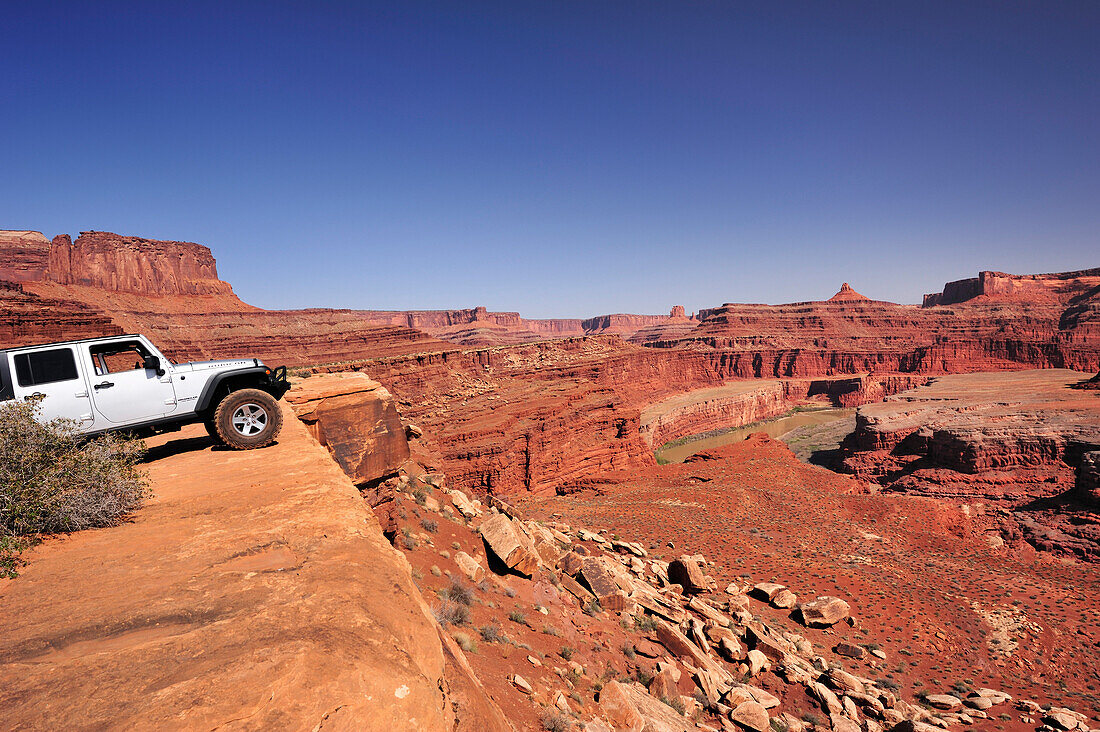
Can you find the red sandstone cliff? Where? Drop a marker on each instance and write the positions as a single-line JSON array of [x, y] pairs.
[[130, 264], [1040, 321], [171, 290], [1057, 287]]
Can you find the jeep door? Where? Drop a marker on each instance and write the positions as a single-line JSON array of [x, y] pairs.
[[124, 391], [53, 374]]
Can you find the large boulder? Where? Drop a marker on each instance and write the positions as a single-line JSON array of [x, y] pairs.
[[629, 707], [356, 419], [751, 716], [688, 573], [601, 581], [508, 542], [824, 611]]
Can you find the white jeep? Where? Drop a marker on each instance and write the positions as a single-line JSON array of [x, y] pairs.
[[124, 383]]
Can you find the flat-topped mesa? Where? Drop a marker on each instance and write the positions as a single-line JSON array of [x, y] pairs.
[[1053, 288], [847, 294], [625, 324], [131, 264]]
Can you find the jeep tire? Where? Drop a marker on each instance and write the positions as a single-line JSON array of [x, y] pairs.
[[247, 419]]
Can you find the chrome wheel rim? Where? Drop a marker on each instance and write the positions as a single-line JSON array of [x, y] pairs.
[[249, 419]]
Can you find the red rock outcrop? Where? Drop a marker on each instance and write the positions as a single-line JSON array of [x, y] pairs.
[[24, 256], [256, 590], [1057, 287], [989, 430], [27, 319], [847, 294], [355, 418], [131, 264], [1049, 321], [1021, 439], [105, 284]]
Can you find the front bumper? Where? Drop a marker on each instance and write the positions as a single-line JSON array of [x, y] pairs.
[[277, 383]]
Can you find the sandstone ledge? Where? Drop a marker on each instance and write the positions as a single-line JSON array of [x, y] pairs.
[[255, 591]]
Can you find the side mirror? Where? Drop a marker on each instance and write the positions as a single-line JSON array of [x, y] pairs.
[[152, 363]]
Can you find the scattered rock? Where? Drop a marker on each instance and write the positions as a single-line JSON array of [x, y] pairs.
[[756, 662], [469, 566], [784, 599], [752, 716], [649, 649], [767, 590], [850, 650], [947, 702], [629, 707], [824, 611], [510, 544], [688, 573], [522, 684]]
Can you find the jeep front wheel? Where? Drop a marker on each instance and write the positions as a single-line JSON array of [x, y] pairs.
[[247, 419]]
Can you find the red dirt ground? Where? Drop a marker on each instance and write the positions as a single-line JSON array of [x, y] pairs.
[[921, 574]]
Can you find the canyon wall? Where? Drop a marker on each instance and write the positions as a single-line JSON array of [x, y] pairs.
[[1050, 321], [1056, 287], [746, 402], [171, 291], [112, 262], [28, 319], [24, 256]]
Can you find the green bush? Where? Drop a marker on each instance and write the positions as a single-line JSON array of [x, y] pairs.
[[53, 480]]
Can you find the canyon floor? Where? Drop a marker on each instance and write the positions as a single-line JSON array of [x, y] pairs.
[[945, 602]]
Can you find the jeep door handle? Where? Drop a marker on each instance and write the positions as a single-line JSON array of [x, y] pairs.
[[104, 385], [36, 395]]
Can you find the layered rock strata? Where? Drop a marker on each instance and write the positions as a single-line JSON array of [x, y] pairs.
[[356, 419], [1036, 321]]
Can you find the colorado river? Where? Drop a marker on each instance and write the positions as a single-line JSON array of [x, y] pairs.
[[676, 451]]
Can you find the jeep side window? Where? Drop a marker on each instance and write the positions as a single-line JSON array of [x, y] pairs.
[[111, 358], [45, 367]]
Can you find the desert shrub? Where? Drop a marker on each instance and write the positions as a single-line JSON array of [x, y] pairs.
[[448, 612], [492, 633], [555, 721], [465, 642], [458, 592], [592, 608], [645, 622], [960, 688], [566, 652], [628, 649], [429, 524], [53, 480], [517, 617]]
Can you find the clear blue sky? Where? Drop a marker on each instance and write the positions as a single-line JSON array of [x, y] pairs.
[[563, 158]]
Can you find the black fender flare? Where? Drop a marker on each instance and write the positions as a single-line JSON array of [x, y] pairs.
[[261, 379]]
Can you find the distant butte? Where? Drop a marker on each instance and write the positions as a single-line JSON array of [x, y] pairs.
[[847, 294]]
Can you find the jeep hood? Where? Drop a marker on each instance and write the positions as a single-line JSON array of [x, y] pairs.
[[241, 363]]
